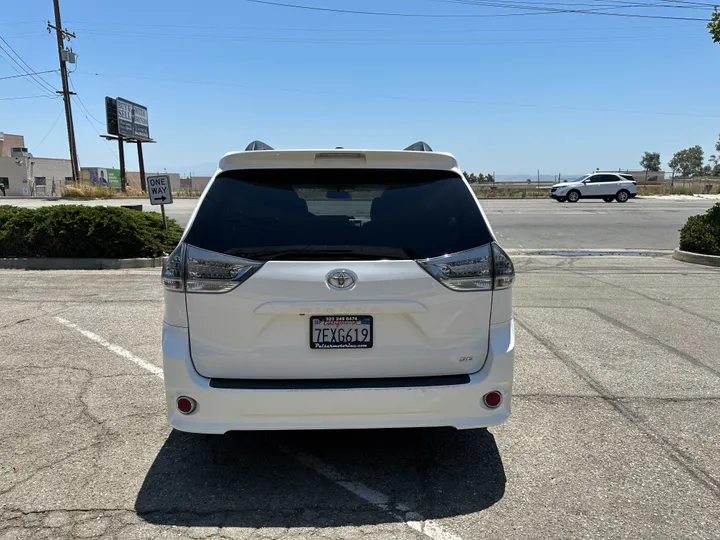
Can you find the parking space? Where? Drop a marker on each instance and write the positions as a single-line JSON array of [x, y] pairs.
[[615, 431]]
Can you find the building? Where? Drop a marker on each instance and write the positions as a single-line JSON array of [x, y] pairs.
[[178, 183], [9, 142], [28, 175], [23, 174]]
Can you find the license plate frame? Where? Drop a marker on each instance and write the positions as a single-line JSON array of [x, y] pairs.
[[326, 322]]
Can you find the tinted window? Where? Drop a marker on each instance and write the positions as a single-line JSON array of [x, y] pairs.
[[595, 179], [628, 177], [297, 214]]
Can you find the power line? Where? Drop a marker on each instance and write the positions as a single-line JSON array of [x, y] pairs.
[[87, 114], [5, 55], [82, 104], [218, 30], [406, 41], [28, 97], [605, 5], [384, 13], [48, 133], [536, 11], [405, 98], [544, 10], [83, 110], [28, 75], [38, 78]]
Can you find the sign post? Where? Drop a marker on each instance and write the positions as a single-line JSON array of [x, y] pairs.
[[160, 192]]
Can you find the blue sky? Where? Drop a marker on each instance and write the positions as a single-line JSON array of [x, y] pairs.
[[559, 92]]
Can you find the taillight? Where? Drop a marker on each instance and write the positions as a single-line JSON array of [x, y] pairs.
[[196, 270], [503, 269], [210, 272], [481, 269], [173, 274]]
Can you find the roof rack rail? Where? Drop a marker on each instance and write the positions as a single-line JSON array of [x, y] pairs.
[[419, 146], [258, 145]]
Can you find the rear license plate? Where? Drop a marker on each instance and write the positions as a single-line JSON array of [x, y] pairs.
[[341, 332]]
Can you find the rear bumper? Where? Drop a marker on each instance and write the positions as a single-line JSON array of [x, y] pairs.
[[220, 410]]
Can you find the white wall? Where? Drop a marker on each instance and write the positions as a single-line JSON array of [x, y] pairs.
[[50, 168], [16, 174]]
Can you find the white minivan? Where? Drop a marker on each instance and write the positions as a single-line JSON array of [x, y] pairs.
[[322, 289]]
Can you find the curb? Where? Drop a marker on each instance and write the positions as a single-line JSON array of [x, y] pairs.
[[53, 263], [696, 258], [560, 252]]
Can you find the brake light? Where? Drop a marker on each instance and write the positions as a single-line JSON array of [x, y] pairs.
[[196, 270], [503, 269], [210, 272], [481, 269], [173, 274]]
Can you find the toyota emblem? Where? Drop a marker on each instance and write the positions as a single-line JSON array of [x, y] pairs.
[[341, 280]]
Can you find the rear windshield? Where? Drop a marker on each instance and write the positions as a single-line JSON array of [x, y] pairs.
[[351, 214]]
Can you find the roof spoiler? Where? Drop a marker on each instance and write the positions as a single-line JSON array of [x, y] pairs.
[[419, 146], [258, 145]]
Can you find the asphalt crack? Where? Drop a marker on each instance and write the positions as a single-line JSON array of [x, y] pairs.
[[677, 455]]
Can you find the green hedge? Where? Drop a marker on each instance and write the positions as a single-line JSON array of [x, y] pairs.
[[84, 231], [701, 234]]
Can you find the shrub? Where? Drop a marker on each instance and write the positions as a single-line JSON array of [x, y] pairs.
[[84, 191], [84, 231], [701, 234]]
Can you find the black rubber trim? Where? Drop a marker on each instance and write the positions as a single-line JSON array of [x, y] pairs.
[[326, 384]]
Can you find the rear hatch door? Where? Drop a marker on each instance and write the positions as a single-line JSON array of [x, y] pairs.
[[337, 291]]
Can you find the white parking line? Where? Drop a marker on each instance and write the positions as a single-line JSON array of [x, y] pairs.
[[415, 521], [402, 513], [152, 368]]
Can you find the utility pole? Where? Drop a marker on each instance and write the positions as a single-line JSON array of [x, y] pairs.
[[62, 35]]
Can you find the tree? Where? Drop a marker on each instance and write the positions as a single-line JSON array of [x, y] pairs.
[[481, 178], [529, 180], [714, 164], [688, 161], [489, 178], [650, 162], [714, 27]]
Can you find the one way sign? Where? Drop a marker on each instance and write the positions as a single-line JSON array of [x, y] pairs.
[[159, 189]]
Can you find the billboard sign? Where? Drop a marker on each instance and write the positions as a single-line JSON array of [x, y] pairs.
[[100, 177], [127, 119]]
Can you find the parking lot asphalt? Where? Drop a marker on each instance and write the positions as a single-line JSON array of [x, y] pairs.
[[615, 430], [532, 223]]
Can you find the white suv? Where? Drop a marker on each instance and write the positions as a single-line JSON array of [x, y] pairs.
[[606, 186], [337, 289]]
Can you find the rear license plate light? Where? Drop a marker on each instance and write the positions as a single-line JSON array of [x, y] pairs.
[[341, 332]]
